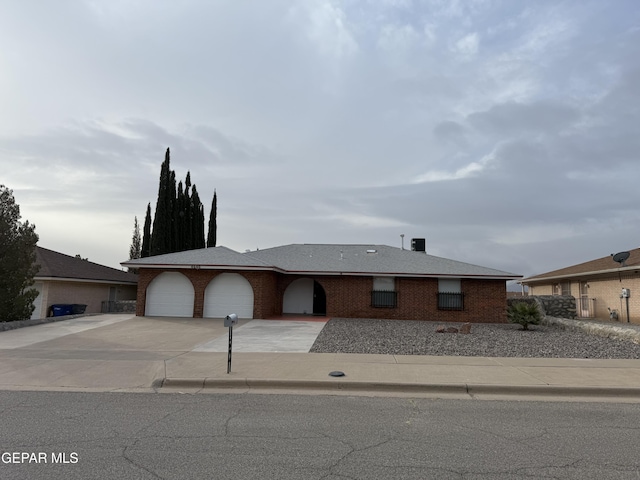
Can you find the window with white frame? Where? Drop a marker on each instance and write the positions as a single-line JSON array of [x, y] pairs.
[[384, 293]]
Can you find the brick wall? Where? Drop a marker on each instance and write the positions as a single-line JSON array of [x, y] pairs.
[[350, 296], [264, 289]]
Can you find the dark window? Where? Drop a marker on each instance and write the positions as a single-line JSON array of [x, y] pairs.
[[450, 301], [384, 299]]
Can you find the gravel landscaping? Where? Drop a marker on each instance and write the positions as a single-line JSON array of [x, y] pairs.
[[403, 337]]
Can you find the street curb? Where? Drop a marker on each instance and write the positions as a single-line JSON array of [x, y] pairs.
[[445, 388]]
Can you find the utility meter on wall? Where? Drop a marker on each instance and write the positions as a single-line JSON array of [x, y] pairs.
[[626, 293]]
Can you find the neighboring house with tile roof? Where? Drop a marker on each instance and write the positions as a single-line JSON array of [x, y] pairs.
[[597, 285], [354, 281], [62, 279]]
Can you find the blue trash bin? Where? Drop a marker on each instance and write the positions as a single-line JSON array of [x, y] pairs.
[[61, 310], [78, 308]]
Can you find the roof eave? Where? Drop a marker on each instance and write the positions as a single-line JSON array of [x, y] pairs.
[[201, 267], [326, 272], [84, 280], [581, 274]]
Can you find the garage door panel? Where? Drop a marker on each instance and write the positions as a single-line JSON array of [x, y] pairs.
[[228, 293], [170, 294]]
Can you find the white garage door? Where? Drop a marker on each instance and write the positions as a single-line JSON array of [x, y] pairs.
[[228, 293], [170, 294], [298, 297]]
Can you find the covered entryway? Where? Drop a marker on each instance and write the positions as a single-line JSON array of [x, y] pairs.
[[228, 293], [305, 296], [170, 294]]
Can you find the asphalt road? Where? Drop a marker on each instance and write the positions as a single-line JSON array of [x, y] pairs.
[[176, 436]]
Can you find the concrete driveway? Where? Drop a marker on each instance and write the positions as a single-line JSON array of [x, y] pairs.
[[128, 352], [129, 333], [267, 336]]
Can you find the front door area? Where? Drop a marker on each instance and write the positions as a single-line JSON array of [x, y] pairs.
[[305, 296]]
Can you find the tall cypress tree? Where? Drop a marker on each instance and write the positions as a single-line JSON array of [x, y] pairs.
[[171, 200], [188, 213], [197, 228], [181, 220], [146, 234], [178, 222], [162, 220], [213, 222]]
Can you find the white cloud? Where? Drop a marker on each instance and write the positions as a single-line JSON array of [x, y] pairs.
[[467, 46], [470, 170], [398, 38], [328, 28], [365, 221]]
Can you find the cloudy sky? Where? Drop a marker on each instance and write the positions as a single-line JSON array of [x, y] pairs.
[[506, 133]]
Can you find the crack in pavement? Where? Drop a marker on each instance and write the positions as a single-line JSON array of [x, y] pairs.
[[135, 464]]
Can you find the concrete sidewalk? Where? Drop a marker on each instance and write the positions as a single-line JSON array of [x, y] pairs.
[[125, 353], [406, 375]]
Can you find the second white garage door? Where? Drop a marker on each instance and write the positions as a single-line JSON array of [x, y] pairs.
[[228, 293]]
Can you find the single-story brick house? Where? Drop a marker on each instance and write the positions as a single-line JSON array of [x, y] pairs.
[[353, 281], [597, 285], [62, 279]]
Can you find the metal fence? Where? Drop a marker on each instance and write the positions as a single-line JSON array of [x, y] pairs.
[[450, 301], [384, 299]]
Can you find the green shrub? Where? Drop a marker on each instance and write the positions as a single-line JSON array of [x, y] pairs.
[[524, 314]]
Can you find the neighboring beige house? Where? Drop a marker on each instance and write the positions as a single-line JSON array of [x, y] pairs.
[[63, 279], [596, 285]]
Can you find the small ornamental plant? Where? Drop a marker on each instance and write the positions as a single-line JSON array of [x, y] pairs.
[[524, 314]]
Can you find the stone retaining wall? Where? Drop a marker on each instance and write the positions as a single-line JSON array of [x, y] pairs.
[[601, 330], [560, 306]]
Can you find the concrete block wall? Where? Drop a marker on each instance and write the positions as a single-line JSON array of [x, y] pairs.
[[90, 294], [604, 292], [540, 290]]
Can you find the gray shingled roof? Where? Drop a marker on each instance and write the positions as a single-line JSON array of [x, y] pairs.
[[206, 257], [58, 265], [327, 259]]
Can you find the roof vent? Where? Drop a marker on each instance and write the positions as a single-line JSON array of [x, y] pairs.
[[372, 251], [419, 245]]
